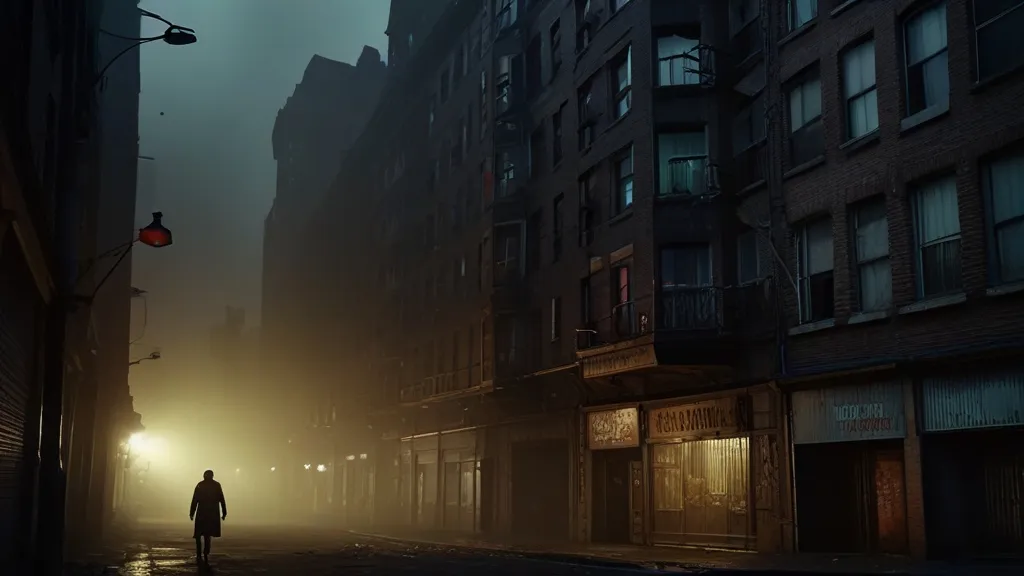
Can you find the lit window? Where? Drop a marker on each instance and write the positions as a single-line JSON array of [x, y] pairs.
[[624, 181]]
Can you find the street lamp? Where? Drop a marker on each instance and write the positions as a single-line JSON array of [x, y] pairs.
[[154, 234], [174, 35]]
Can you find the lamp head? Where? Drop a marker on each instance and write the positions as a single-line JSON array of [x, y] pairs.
[[155, 234]]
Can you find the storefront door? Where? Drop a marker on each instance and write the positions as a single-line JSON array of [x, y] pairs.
[[849, 467], [973, 460], [616, 471]]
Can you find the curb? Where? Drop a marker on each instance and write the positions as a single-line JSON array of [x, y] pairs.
[[604, 562]]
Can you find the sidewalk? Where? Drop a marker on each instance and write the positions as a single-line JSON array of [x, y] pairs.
[[677, 559]]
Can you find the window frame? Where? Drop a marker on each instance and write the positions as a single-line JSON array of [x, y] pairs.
[[857, 47], [805, 302], [555, 39], [800, 82], [791, 6], [669, 59], [622, 94], [556, 318], [915, 190], [992, 225], [757, 257], [908, 111], [623, 181], [980, 25], [859, 262]]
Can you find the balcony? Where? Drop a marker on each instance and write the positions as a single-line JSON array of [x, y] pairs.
[[693, 177], [626, 321], [686, 308], [461, 382], [751, 165]]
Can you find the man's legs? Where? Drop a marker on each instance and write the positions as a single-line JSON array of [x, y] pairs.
[[199, 549], [206, 548]]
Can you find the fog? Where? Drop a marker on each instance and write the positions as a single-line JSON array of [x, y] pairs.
[[206, 116]]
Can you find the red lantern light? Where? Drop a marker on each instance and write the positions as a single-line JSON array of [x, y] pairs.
[[155, 234]]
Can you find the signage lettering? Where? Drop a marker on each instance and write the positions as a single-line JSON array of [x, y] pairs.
[[869, 417], [694, 419], [613, 429], [619, 361]]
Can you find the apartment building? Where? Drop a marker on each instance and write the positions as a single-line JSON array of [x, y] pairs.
[[897, 131]]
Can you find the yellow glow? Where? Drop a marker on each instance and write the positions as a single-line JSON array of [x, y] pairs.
[[350, 457], [148, 448], [321, 468], [307, 466], [273, 468]]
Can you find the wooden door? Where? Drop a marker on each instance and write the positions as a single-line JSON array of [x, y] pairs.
[[636, 502]]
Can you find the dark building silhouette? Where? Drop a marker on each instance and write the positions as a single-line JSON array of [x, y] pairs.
[[68, 148], [598, 265], [312, 134]]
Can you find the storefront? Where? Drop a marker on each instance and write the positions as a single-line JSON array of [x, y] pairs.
[[849, 468], [973, 459], [615, 475], [699, 470], [353, 487], [439, 482]]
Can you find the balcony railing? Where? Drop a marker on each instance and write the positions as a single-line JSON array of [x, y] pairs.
[[626, 321], [448, 383], [690, 308], [751, 165]]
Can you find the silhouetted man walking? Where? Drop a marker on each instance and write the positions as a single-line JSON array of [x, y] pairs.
[[206, 510]]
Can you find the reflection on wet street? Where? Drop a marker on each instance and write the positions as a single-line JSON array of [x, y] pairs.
[[163, 551]]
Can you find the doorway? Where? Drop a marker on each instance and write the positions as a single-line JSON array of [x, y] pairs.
[[612, 509]]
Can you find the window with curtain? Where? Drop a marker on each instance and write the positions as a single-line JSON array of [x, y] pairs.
[[859, 90], [801, 12], [1004, 185], [998, 25], [624, 181], [937, 237], [871, 242], [682, 157], [806, 139], [678, 61], [927, 59], [687, 300], [624, 83], [747, 262], [815, 267]]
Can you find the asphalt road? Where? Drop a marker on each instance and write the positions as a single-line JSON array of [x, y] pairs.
[[274, 551]]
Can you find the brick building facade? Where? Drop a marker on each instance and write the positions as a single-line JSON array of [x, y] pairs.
[[589, 292]]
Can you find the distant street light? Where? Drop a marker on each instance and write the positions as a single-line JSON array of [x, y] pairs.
[[174, 35]]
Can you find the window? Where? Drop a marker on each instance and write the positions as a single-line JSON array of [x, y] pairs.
[[503, 84], [624, 181], [816, 294], [506, 13], [536, 151], [431, 115], [586, 195], [927, 59], [556, 132], [937, 237], [556, 47], [801, 12], [556, 318], [619, 4], [587, 118], [586, 16], [1003, 181], [997, 36], [557, 226], [678, 61], [681, 163], [622, 311], [871, 243], [748, 262], [510, 248], [806, 140], [508, 174], [686, 300], [534, 68], [624, 83], [533, 234], [483, 103], [859, 90]]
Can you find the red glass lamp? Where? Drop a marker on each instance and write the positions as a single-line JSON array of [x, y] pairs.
[[155, 234]]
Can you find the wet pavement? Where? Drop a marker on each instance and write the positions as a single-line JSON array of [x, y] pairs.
[[160, 550]]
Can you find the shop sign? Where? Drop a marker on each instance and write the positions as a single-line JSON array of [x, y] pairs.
[[701, 419], [613, 429], [849, 413], [987, 400], [618, 361]]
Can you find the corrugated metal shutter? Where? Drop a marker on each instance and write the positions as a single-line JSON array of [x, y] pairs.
[[17, 339], [980, 400], [849, 413]]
